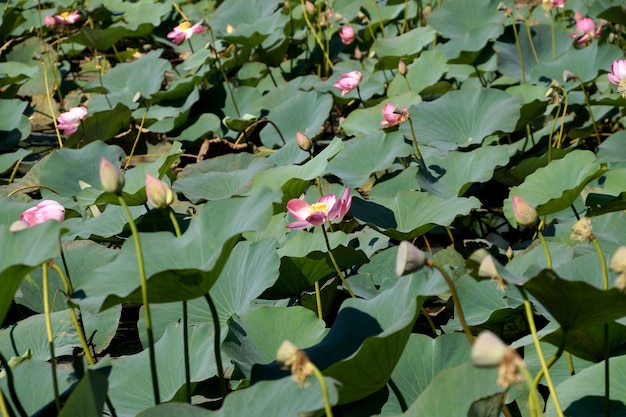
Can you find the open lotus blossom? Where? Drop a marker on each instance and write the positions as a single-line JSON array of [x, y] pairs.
[[586, 30], [65, 18], [327, 208], [347, 35], [184, 31], [69, 121], [44, 210], [617, 75], [348, 82], [391, 117]]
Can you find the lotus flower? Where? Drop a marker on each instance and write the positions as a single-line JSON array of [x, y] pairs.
[[43, 211], [348, 82], [159, 194], [111, 177], [347, 35], [184, 31], [65, 18], [327, 208], [560, 4], [391, 117], [617, 75], [69, 121], [523, 212], [586, 30]]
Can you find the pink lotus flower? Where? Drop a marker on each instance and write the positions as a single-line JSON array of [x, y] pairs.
[[348, 82], [45, 210], [347, 35], [70, 120], [391, 117], [184, 31], [327, 208], [558, 3], [65, 18], [617, 75], [586, 30]]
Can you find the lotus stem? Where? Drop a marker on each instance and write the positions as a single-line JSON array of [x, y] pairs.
[[50, 106], [396, 391], [3, 406], [216, 345], [542, 359], [318, 301], [327, 62], [588, 103], [519, 50], [332, 259], [455, 299], [46, 311], [417, 148], [132, 150], [144, 300], [320, 378], [11, 385], [533, 397], [545, 249]]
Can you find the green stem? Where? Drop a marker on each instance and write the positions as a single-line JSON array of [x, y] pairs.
[[542, 359], [318, 300], [552, 360], [558, 143], [417, 148], [556, 118], [11, 386], [380, 18], [519, 50], [52, 112], [545, 249], [132, 150], [408, 86], [552, 25], [327, 62], [530, 40], [588, 103], [455, 299], [79, 329], [398, 394], [46, 311], [320, 378], [332, 259], [221, 69], [216, 344], [533, 398], [144, 299], [3, 406], [429, 320], [570, 364]]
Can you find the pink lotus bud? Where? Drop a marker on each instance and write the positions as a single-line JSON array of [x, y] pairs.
[[309, 7], [44, 210], [303, 141], [159, 194], [523, 212], [402, 67], [347, 35], [111, 177]]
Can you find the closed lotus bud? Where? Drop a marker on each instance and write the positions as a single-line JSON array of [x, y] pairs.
[[159, 194], [304, 142], [409, 259], [309, 7], [402, 67], [111, 177], [488, 349], [523, 212], [357, 53]]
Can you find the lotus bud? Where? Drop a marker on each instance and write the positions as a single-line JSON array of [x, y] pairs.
[[309, 7], [409, 259], [581, 230], [111, 177], [568, 75], [304, 142], [159, 194], [488, 349], [402, 67], [523, 212], [357, 53]]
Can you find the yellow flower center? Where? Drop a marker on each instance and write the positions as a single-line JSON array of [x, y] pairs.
[[65, 15], [184, 26], [323, 207], [622, 88]]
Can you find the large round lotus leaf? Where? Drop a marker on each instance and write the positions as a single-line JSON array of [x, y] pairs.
[[14, 126], [468, 25], [367, 121], [406, 46], [422, 359], [88, 397], [410, 213], [268, 28], [8, 159], [555, 187], [464, 118], [376, 152], [103, 39], [231, 13], [104, 125], [423, 72], [125, 80], [583, 393], [585, 63], [138, 13]]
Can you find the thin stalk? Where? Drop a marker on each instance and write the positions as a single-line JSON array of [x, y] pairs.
[[455, 299], [132, 150], [408, 86], [185, 321], [327, 62], [542, 359], [530, 40], [570, 364], [318, 300], [14, 171], [380, 18], [243, 133], [11, 385], [556, 117], [605, 336], [417, 148], [560, 139], [221, 69], [216, 345], [358, 92], [3, 406], [52, 113], [398, 394], [552, 25], [332, 259], [320, 378], [144, 299], [553, 359], [46, 311], [519, 50], [546, 251], [79, 329], [430, 321], [533, 398], [588, 103]]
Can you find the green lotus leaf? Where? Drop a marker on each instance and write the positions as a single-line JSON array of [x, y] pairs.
[[556, 186], [367, 121], [88, 397], [423, 72], [239, 124], [464, 118], [103, 39], [7, 160], [103, 125], [14, 126], [405, 46]]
